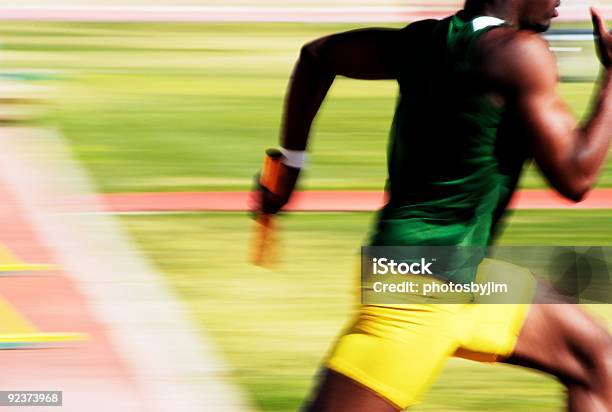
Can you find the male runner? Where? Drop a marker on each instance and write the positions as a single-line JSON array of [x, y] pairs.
[[477, 97]]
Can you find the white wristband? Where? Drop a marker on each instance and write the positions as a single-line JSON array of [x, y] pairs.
[[293, 158]]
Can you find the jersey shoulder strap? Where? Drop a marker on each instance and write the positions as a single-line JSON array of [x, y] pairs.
[[463, 33]]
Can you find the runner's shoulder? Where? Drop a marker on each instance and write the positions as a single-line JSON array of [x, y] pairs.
[[516, 57]]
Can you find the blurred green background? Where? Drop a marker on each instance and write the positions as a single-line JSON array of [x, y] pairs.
[[176, 107], [173, 107]]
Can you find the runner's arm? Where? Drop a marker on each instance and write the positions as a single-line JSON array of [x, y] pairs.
[[369, 54], [569, 155]]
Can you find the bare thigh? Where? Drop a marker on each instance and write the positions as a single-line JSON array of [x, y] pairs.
[[337, 393], [562, 340]]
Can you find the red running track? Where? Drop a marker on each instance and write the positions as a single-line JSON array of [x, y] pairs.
[[93, 372], [321, 201]]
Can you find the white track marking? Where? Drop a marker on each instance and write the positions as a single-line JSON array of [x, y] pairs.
[[560, 36], [175, 367], [566, 49]]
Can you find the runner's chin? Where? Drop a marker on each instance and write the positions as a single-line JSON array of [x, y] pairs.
[[543, 25], [540, 27]]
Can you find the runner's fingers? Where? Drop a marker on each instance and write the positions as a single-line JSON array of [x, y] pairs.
[[603, 39], [598, 22], [600, 25]]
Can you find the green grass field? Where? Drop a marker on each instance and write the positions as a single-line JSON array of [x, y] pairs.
[[170, 107], [275, 326]]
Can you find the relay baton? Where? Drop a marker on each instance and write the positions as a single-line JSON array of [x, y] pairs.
[[263, 249]]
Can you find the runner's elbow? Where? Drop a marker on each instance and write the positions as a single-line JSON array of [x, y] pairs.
[[578, 191], [314, 55], [576, 197], [311, 52]]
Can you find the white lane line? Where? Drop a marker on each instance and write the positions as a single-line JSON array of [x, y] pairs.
[[171, 360]]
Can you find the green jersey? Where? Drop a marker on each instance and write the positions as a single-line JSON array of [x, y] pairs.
[[451, 171]]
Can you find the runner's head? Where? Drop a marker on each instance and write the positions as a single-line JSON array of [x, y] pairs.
[[533, 15]]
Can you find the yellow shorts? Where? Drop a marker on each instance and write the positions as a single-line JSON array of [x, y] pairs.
[[398, 350]]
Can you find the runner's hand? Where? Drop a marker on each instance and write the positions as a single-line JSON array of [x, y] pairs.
[[263, 201], [603, 38]]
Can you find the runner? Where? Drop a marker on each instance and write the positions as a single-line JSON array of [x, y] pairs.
[[477, 98]]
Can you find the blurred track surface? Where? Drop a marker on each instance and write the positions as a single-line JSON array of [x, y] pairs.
[[141, 353], [208, 13], [320, 201]]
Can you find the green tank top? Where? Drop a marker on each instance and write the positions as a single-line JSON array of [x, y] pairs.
[[450, 174]]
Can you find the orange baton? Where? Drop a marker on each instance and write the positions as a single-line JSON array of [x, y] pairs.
[[263, 248]]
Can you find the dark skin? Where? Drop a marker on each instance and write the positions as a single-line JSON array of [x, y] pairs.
[[557, 339]]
